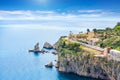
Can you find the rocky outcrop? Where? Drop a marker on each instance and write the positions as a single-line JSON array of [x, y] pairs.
[[49, 64], [85, 63], [90, 66], [56, 45], [55, 53], [36, 49], [47, 45]]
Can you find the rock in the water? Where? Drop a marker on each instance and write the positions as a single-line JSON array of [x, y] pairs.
[[44, 51], [36, 47], [47, 45], [55, 53], [56, 65], [49, 65]]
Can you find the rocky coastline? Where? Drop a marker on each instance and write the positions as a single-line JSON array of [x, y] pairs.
[[86, 64], [82, 62]]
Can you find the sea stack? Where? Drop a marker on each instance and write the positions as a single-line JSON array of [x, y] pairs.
[[36, 47], [49, 64], [47, 45]]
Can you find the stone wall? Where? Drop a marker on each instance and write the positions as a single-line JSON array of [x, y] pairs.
[[115, 55]]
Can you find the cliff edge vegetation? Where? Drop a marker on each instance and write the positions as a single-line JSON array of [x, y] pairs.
[[74, 58], [109, 37]]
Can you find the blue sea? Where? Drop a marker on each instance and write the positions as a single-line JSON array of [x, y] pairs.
[[17, 64]]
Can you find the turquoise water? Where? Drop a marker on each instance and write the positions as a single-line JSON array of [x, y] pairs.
[[17, 64]]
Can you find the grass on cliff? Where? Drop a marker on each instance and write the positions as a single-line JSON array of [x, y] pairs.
[[110, 37], [66, 46], [88, 49], [113, 42]]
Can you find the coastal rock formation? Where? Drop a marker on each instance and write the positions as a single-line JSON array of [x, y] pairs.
[[55, 46], [36, 49], [56, 65], [47, 45], [55, 53], [86, 64], [49, 64], [90, 66]]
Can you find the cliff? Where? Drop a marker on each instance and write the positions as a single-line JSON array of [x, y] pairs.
[[72, 58]]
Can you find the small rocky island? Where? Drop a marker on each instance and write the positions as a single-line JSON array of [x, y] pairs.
[[37, 49], [49, 65], [47, 45]]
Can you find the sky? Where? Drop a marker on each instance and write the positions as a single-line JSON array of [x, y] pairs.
[[59, 14]]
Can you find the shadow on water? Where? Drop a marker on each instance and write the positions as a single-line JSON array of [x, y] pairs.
[[36, 54], [71, 76]]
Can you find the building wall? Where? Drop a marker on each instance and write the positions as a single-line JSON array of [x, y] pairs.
[[114, 54], [91, 34]]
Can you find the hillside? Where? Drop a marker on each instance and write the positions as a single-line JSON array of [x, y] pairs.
[[110, 37], [86, 54], [72, 58]]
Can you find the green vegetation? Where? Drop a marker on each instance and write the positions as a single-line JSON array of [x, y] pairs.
[[88, 30], [117, 29], [113, 42], [88, 49], [109, 37], [95, 30], [73, 55], [68, 47]]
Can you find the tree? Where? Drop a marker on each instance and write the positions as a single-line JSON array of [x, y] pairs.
[[70, 34], [95, 30], [118, 24], [88, 30], [117, 29], [108, 29]]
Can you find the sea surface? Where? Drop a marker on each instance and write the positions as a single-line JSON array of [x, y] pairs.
[[16, 63]]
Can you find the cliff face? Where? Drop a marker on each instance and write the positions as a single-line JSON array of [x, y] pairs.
[[86, 64], [90, 66]]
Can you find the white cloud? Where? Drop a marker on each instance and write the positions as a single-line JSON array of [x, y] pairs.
[[89, 11], [91, 15], [51, 15], [59, 21]]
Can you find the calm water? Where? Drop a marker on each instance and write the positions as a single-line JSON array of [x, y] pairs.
[[17, 64]]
